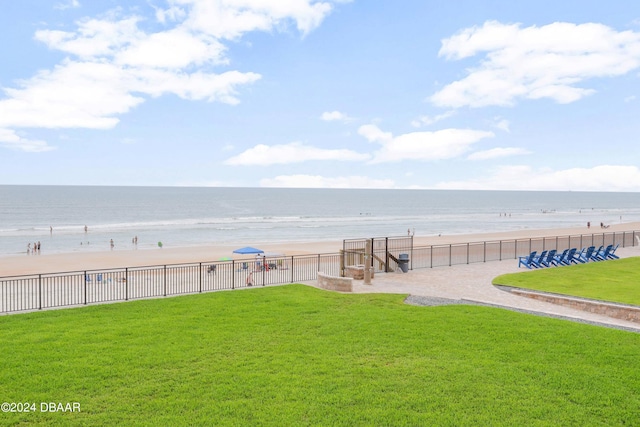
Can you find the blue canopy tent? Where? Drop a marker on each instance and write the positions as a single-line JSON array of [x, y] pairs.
[[248, 250]]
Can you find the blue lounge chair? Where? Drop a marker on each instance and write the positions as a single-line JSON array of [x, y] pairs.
[[604, 255], [585, 255], [571, 257], [559, 258], [527, 261], [595, 254], [547, 261], [612, 254], [537, 261]]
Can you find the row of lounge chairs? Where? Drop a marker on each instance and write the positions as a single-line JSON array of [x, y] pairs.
[[567, 257]]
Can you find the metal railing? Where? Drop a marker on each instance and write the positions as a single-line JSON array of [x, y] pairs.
[[468, 253], [42, 291]]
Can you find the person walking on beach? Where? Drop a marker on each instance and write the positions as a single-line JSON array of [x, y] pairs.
[[111, 243]]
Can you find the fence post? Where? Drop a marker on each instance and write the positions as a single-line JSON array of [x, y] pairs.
[[468, 253], [164, 280], [450, 255], [292, 269], [85, 288], [431, 256], [126, 284], [200, 278], [500, 256], [264, 268], [411, 252], [484, 251], [39, 291], [386, 254]]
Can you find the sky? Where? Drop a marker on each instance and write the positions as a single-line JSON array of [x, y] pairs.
[[409, 94]]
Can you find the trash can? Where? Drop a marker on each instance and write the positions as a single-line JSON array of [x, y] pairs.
[[403, 262]]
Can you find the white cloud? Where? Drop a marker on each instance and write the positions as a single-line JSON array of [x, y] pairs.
[[114, 65], [496, 153], [525, 178], [330, 116], [265, 155], [173, 49], [535, 62], [374, 134], [317, 181], [94, 37], [230, 19], [428, 120], [69, 4], [501, 124], [425, 146], [9, 139]]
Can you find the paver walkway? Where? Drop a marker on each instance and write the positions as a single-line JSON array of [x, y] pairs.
[[472, 282]]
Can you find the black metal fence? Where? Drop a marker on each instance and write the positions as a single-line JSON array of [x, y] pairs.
[[386, 250], [468, 253], [41, 291]]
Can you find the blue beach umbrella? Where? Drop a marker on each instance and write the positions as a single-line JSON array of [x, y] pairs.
[[248, 250]]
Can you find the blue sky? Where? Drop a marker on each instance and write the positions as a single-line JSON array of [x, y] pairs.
[[500, 95]]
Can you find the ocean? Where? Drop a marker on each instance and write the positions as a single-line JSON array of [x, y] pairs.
[[56, 216]]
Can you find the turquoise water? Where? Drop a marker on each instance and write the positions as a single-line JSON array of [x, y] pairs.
[[177, 216]]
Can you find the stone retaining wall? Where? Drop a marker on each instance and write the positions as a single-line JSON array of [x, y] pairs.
[[617, 311], [331, 283]]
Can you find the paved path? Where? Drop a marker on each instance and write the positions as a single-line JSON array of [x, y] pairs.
[[472, 282]]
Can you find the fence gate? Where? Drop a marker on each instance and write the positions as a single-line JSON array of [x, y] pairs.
[[385, 252]]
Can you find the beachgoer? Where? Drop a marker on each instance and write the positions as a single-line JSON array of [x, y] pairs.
[[28, 248], [250, 279], [85, 229], [111, 244], [38, 246], [588, 224]]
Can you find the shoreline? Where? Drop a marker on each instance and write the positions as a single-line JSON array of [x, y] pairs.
[[23, 264]]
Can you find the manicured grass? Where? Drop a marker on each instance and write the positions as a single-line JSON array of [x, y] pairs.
[[613, 280], [294, 355]]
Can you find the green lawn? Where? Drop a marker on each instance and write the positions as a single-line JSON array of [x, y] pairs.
[[613, 280], [294, 356]]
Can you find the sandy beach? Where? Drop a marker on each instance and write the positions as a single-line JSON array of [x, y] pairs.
[[119, 258]]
